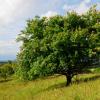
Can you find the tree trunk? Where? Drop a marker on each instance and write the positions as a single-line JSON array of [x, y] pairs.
[[69, 78]]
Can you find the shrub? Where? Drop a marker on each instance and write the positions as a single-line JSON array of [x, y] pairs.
[[6, 70]]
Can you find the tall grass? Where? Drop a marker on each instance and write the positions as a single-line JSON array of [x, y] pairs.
[[52, 88]]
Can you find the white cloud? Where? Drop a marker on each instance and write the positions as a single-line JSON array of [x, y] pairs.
[[7, 10], [86, 1], [8, 47], [14, 10], [98, 5], [7, 43], [11, 10], [8, 52], [79, 8], [49, 14]]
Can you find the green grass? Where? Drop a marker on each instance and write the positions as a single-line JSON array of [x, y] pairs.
[[52, 88], [95, 70]]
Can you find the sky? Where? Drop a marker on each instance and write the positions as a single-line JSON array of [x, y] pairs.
[[14, 13]]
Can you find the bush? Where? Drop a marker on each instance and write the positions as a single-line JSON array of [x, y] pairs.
[[6, 70]]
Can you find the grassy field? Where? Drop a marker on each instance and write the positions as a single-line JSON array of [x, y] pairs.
[[52, 88]]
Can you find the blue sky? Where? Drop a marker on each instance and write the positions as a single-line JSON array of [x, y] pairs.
[[14, 13]]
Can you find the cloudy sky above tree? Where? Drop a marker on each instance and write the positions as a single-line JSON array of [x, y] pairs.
[[14, 13]]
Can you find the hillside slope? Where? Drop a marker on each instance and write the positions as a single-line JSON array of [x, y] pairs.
[[52, 88]]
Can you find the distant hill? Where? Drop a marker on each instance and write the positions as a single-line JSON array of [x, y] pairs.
[[3, 62]]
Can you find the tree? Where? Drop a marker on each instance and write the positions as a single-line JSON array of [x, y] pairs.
[[60, 44]]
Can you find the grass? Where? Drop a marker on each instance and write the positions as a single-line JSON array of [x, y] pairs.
[[52, 88]]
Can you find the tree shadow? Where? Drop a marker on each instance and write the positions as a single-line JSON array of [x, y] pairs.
[[52, 87], [57, 86], [93, 78], [63, 84], [3, 81]]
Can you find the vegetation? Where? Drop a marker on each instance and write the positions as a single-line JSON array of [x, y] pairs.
[[59, 45], [6, 70], [52, 88], [62, 48]]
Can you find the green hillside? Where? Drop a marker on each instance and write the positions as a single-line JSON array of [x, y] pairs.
[[52, 88]]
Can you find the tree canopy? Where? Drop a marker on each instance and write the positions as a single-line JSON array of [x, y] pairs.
[[61, 44]]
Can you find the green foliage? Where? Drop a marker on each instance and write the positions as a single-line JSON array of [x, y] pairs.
[[60, 44], [6, 70]]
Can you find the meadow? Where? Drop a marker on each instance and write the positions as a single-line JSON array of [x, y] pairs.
[[87, 87]]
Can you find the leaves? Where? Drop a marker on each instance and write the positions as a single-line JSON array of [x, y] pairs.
[[59, 44]]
